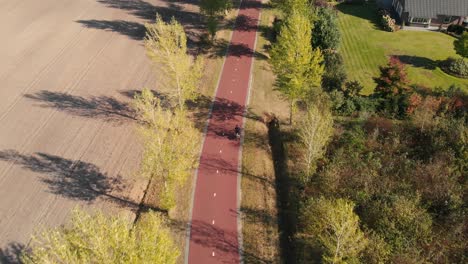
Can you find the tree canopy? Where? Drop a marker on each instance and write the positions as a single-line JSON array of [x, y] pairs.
[[461, 45], [180, 73], [297, 66], [336, 227], [170, 149], [97, 238], [325, 32]]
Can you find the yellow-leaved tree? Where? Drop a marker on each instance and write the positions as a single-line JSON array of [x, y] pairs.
[[98, 238], [298, 67], [315, 132], [179, 72], [170, 145], [333, 224]]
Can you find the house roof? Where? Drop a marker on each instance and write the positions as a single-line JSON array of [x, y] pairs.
[[432, 8]]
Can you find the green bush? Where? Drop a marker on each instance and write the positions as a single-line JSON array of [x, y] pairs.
[[457, 29], [365, 104], [335, 73], [388, 23], [457, 67]]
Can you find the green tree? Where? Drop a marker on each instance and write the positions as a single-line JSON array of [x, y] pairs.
[[461, 45], [171, 145], [213, 10], [297, 66], [335, 226], [401, 221], [325, 34], [315, 132], [102, 239], [287, 6], [166, 45]]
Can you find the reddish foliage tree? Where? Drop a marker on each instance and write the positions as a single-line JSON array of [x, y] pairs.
[[392, 80], [413, 102]]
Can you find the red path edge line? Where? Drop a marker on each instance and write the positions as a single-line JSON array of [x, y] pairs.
[[217, 186]]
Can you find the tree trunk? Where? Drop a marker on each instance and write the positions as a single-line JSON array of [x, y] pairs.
[[291, 111]]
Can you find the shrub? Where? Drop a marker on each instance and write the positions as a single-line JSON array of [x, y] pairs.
[[337, 100], [276, 28], [388, 23], [457, 67], [335, 74], [365, 104], [352, 89], [348, 107], [457, 29]]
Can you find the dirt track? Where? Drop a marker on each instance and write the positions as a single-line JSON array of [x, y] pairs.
[[68, 69]]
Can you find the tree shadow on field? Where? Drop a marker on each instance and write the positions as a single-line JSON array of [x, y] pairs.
[[191, 21], [101, 107], [133, 30], [416, 61], [11, 253], [73, 179]]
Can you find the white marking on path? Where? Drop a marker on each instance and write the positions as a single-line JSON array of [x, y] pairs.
[[214, 194], [212, 222], [212, 254]]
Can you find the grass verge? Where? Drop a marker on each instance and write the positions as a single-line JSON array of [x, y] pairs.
[[258, 184]]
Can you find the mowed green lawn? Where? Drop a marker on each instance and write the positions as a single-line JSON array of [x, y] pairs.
[[365, 46]]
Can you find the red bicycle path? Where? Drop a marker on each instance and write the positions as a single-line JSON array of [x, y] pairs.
[[213, 229]]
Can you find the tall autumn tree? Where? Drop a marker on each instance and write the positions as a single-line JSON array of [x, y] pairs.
[[180, 73], [315, 132], [171, 145], [97, 238], [297, 66], [334, 225]]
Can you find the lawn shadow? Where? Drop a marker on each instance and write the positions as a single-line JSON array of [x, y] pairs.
[[11, 254], [132, 30], [73, 179], [367, 11], [105, 108], [419, 62]]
